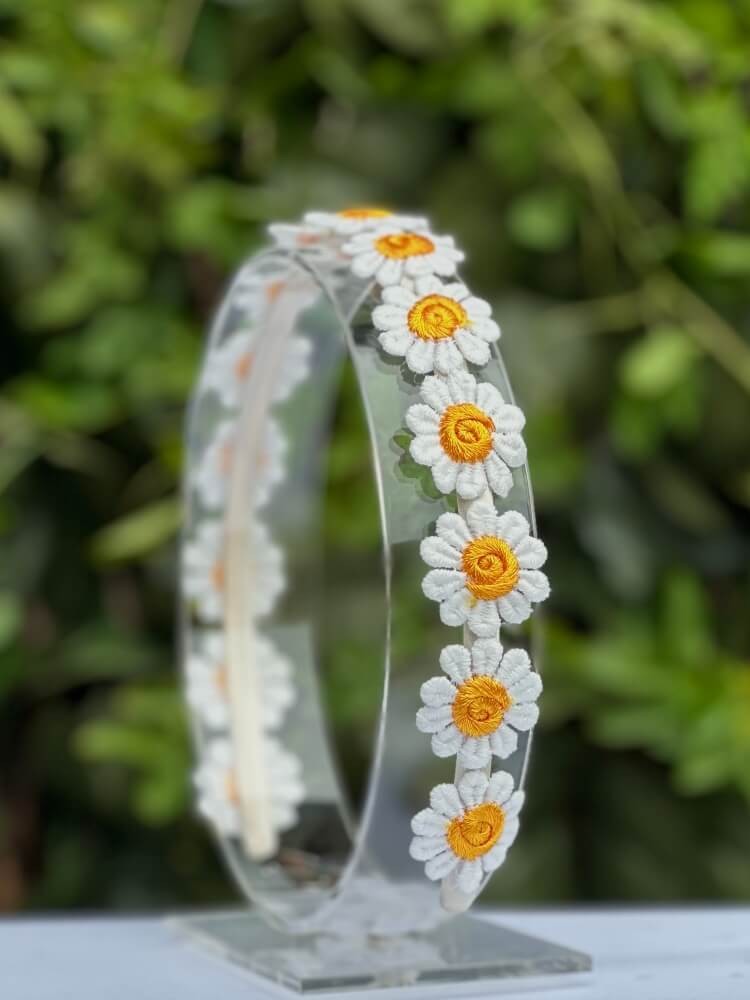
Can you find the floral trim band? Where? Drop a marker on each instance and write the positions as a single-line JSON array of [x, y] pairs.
[[484, 567]]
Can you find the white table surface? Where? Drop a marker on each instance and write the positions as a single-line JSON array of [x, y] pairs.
[[639, 954]]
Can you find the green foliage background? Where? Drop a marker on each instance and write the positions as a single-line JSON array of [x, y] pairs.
[[593, 158]]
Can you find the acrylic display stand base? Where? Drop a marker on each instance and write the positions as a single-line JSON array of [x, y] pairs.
[[466, 951]]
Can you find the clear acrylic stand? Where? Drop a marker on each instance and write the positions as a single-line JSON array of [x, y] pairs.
[[337, 901]]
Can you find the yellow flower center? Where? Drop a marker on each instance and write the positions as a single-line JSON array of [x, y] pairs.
[[364, 213], [232, 791], [436, 317], [466, 433], [476, 831], [242, 365], [218, 575], [398, 246], [479, 706], [491, 568]]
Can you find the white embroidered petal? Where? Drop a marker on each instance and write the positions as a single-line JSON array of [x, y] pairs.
[[444, 472], [485, 656], [435, 393], [475, 751], [472, 787], [437, 691], [422, 419], [514, 608], [428, 823], [395, 342], [522, 717], [420, 356], [510, 419], [510, 448], [438, 552], [397, 295], [486, 330], [447, 742], [444, 799], [469, 876], [513, 805], [513, 527], [531, 553], [456, 661], [432, 719], [472, 347], [387, 316], [455, 610], [498, 788], [483, 520], [489, 399], [390, 271], [475, 307], [441, 865], [471, 481], [453, 529], [515, 669], [424, 848], [447, 357], [425, 450], [526, 689], [504, 741], [442, 585], [499, 477], [483, 618], [534, 585], [429, 284], [365, 265], [462, 387]]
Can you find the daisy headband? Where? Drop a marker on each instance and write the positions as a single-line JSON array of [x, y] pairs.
[[376, 293]]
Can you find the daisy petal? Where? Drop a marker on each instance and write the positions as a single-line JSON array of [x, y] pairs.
[[469, 876], [444, 799], [441, 865], [473, 349], [420, 356], [437, 552], [425, 450], [531, 553], [499, 788], [456, 662], [485, 656], [435, 393], [428, 823], [475, 752], [522, 717], [422, 419], [482, 519], [455, 609], [445, 473], [443, 584], [534, 585], [472, 788], [424, 848], [513, 527], [437, 691], [395, 342], [504, 741], [498, 475], [484, 619], [514, 608], [453, 529], [432, 719], [471, 481]]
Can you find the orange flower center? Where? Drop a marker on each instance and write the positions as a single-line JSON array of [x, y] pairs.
[[218, 575], [364, 213], [476, 831], [436, 317], [221, 680], [273, 290], [398, 246], [466, 433], [491, 568], [243, 365], [479, 706], [233, 792]]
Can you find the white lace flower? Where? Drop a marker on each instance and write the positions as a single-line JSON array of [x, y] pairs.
[[204, 571], [216, 783], [213, 472], [486, 568], [388, 255], [467, 434], [435, 327], [483, 703], [207, 681], [466, 832], [229, 365], [350, 221]]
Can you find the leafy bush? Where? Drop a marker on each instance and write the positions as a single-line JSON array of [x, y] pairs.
[[593, 158]]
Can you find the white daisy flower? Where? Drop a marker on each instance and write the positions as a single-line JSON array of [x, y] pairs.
[[350, 221], [204, 571], [486, 699], [253, 290], [388, 255], [229, 366], [466, 832], [216, 783], [486, 568], [435, 327], [295, 236], [207, 681], [214, 470], [467, 434]]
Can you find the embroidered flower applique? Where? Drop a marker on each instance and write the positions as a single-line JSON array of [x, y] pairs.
[[218, 795], [204, 571], [208, 680], [467, 435], [435, 326], [229, 366], [486, 568], [388, 255], [350, 221], [468, 829], [214, 470], [483, 702]]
